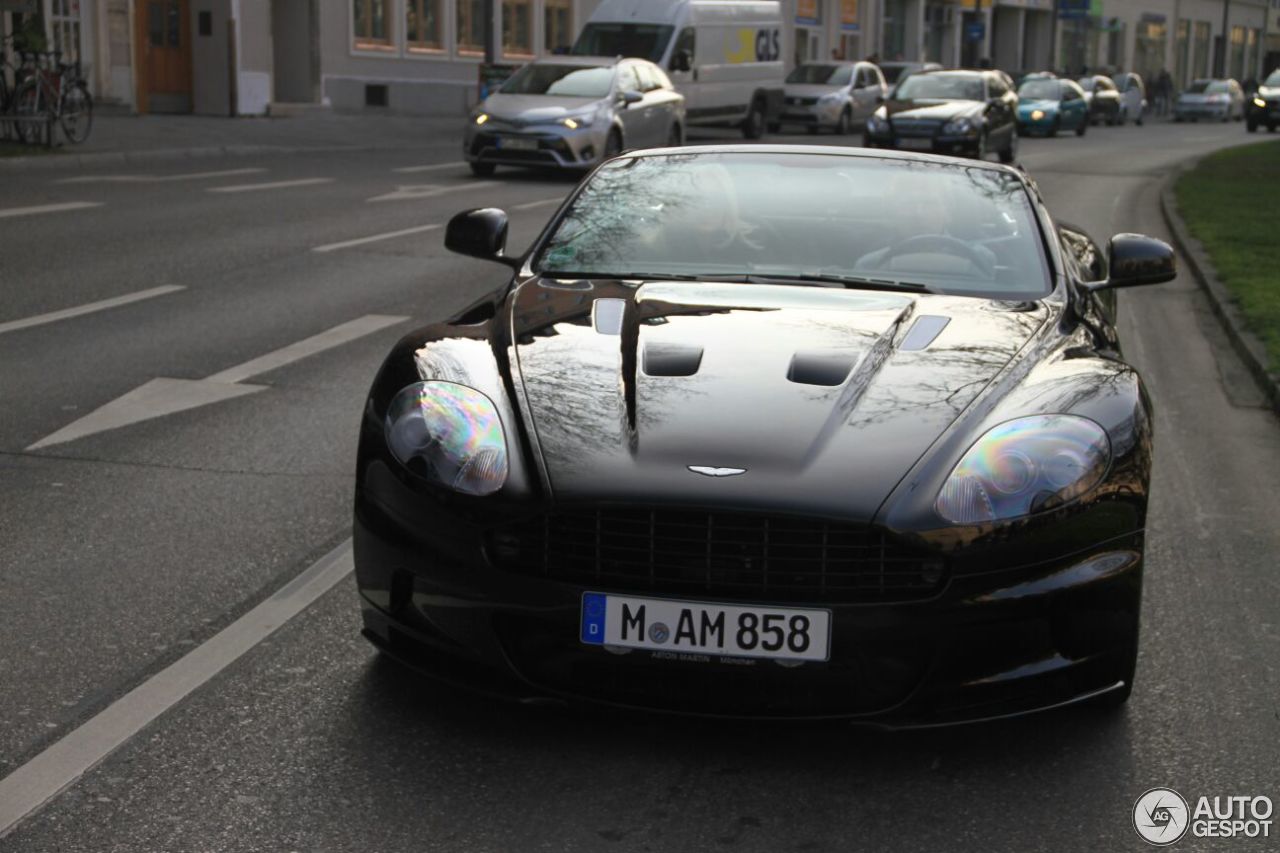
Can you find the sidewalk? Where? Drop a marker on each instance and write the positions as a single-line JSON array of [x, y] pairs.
[[119, 137]]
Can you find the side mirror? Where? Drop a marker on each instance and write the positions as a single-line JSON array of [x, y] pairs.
[[682, 61], [481, 234], [1135, 259], [629, 97]]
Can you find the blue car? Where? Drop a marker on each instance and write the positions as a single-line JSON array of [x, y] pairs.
[[1048, 106]]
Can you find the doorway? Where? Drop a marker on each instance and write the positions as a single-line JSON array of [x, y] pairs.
[[163, 36], [293, 38]]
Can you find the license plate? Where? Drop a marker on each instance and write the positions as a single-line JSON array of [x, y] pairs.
[[517, 143], [915, 143], [696, 627]]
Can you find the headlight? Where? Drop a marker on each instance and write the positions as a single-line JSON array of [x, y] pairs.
[[1258, 102], [833, 98], [958, 127], [449, 434], [1036, 115], [877, 123], [482, 118], [575, 122], [1025, 466]]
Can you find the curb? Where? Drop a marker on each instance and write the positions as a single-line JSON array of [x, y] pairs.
[[54, 162], [1243, 341]]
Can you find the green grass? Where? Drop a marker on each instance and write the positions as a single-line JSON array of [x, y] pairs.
[[1228, 202]]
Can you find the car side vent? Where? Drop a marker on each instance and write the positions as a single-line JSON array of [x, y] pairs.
[[923, 332], [820, 368], [671, 360]]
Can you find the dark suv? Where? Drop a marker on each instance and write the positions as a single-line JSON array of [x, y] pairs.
[[967, 113]]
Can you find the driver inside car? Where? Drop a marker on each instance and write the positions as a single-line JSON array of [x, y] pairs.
[[932, 239]]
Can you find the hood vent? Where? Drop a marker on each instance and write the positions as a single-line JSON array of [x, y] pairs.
[[821, 368], [671, 359], [923, 332]]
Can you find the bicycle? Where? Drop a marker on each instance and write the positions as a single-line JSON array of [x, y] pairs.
[[57, 92]]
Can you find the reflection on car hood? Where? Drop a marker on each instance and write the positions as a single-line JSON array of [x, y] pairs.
[[809, 90], [528, 109], [1269, 91], [812, 390], [940, 110]]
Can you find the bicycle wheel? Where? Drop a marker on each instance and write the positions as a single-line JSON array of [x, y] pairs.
[[77, 113], [27, 106]]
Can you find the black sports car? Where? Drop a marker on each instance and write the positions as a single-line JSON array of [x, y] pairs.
[[771, 431], [966, 113]]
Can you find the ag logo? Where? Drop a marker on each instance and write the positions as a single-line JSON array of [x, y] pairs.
[[1161, 816]]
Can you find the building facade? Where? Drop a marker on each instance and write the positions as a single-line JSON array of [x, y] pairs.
[[250, 57]]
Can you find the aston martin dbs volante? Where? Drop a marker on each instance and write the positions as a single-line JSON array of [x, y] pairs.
[[771, 431]]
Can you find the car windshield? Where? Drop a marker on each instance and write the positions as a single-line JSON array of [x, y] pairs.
[[1218, 86], [804, 218], [893, 73], [1087, 83], [1199, 87], [646, 41], [1040, 90], [830, 75], [566, 81], [943, 87], [1272, 81]]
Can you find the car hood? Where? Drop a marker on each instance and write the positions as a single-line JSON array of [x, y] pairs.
[[939, 110], [1194, 98], [1268, 92], [810, 90], [1046, 105], [825, 397], [533, 109]]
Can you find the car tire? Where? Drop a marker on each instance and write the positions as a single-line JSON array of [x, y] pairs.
[[1138, 120], [1271, 128], [675, 139], [1055, 127], [1251, 126], [844, 126], [753, 126], [482, 170], [1010, 152], [1084, 126], [775, 127], [612, 145], [812, 129], [1177, 119]]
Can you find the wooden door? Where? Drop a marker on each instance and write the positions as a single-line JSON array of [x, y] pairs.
[[163, 36]]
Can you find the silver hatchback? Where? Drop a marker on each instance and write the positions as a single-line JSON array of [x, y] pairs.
[[574, 112]]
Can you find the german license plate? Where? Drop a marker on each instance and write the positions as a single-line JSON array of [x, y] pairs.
[[517, 143], [731, 630], [915, 143]]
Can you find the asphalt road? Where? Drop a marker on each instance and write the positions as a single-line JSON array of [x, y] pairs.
[[124, 549]]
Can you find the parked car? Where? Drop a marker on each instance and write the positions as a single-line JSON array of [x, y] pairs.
[[1222, 100], [969, 113], [724, 57], [574, 112], [1103, 98], [1263, 107], [1133, 97], [896, 72], [778, 431], [1047, 105], [836, 96]]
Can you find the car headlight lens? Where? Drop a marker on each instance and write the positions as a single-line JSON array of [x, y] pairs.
[[958, 126], [575, 122], [877, 122], [482, 118], [1036, 115], [1025, 466], [449, 434], [1258, 102]]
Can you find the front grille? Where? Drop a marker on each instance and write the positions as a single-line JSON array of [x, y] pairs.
[[802, 102], [916, 127], [737, 556]]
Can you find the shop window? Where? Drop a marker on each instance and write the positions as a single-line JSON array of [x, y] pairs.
[[471, 27], [370, 24], [557, 26], [424, 25], [517, 28]]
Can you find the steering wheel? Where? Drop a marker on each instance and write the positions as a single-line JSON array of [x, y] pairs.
[[941, 244]]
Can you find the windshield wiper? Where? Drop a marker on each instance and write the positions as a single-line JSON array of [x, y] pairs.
[[810, 280], [856, 282]]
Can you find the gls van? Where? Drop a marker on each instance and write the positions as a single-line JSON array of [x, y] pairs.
[[724, 56]]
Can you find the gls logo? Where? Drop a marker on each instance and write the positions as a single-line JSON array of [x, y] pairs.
[[768, 45]]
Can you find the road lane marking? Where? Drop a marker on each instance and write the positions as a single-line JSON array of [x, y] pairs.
[[374, 238], [434, 167], [88, 308], [530, 205], [411, 192], [157, 179], [164, 396], [36, 783], [61, 207], [270, 185]]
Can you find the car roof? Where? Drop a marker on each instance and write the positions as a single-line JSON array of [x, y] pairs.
[[584, 61], [836, 150]]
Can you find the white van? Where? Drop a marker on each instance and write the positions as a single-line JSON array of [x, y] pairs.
[[724, 56]]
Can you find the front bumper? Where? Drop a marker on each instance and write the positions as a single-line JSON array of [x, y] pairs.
[[809, 115], [1027, 125], [1263, 115], [549, 145], [990, 644], [1213, 111]]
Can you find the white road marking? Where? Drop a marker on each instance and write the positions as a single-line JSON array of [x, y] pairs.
[[270, 185], [34, 784], [61, 207], [163, 396], [156, 179], [530, 205], [417, 191], [374, 238], [434, 167], [88, 308]]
